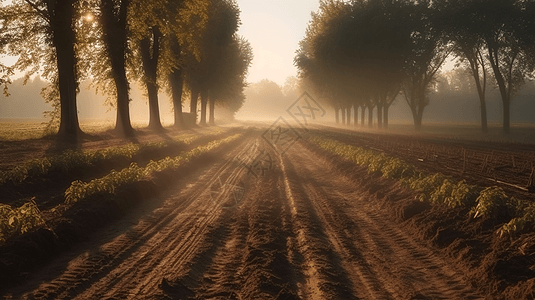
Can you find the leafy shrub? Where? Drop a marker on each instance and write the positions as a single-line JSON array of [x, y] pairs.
[[463, 194], [523, 223], [396, 168], [376, 162], [426, 185], [15, 221], [493, 202], [455, 194]]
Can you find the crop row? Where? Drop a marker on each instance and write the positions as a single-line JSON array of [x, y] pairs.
[[71, 159], [18, 220], [490, 202], [80, 190]]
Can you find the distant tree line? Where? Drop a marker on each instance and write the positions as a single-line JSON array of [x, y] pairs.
[[187, 47], [362, 54]]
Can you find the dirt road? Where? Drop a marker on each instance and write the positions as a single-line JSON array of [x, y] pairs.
[[256, 225]]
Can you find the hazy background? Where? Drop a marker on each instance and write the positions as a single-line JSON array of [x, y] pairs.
[[274, 29]]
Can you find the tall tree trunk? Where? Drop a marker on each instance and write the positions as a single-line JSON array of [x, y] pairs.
[[123, 125], [212, 111], [362, 115], [177, 82], [380, 115], [356, 115], [348, 111], [481, 88], [114, 27], [193, 103], [343, 116], [504, 91], [150, 52], [417, 114], [204, 100], [64, 39], [336, 115], [385, 116], [370, 116]]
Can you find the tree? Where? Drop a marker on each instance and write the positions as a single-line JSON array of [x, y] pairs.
[[150, 24], [355, 52], [428, 52], [186, 20], [205, 70], [43, 35], [509, 61], [464, 29], [230, 72], [319, 60], [115, 37]]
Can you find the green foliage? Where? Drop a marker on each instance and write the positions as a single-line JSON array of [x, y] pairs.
[[389, 167], [80, 190], [454, 194], [436, 188], [525, 222], [493, 202], [426, 185], [397, 168], [15, 221]]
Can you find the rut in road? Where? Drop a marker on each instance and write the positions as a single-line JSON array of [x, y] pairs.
[[379, 259]]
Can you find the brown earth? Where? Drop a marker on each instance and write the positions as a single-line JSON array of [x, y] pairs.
[[302, 225]]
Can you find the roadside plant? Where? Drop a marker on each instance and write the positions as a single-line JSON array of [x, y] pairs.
[[493, 203], [19, 220], [79, 190], [522, 223]]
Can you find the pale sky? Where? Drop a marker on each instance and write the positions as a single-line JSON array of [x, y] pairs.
[[274, 29]]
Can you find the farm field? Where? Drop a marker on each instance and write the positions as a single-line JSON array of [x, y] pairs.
[[249, 212]]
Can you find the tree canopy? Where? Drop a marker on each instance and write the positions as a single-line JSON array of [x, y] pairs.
[[116, 41], [362, 54]]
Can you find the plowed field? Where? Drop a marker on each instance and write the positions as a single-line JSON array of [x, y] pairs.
[[246, 222]]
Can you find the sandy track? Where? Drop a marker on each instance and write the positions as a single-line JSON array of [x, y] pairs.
[[303, 230]]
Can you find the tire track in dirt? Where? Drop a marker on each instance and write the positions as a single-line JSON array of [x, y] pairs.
[[134, 262], [252, 261], [382, 262], [325, 276]]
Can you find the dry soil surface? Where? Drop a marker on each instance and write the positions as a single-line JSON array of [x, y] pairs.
[[256, 225]]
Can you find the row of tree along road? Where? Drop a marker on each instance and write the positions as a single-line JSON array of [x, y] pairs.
[[364, 53], [186, 46]]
